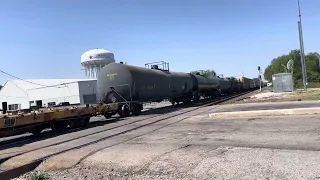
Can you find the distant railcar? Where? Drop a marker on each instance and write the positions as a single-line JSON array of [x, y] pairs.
[[131, 86]]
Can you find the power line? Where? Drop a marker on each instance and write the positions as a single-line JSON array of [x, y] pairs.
[[21, 79], [43, 86]]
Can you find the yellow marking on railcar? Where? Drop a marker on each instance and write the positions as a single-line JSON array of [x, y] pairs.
[[100, 108], [112, 75], [111, 106], [58, 112]]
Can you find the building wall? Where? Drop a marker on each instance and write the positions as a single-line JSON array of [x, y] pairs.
[[55, 91], [88, 88], [68, 92], [13, 94]]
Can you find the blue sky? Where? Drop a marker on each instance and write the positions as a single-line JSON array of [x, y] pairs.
[[45, 38]]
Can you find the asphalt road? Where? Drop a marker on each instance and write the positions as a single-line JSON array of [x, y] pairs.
[[201, 148], [188, 147]]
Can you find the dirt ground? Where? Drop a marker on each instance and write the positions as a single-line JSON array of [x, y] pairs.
[[204, 148], [268, 96], [200, 147]]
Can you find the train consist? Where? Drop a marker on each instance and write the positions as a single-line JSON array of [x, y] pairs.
[[122, 89], [131, 86]]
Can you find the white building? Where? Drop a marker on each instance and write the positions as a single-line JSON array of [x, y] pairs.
[[21, 94]]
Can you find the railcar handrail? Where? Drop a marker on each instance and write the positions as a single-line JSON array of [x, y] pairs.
[[130, 92], [165, 65]]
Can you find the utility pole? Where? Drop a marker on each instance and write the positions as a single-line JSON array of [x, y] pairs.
[[259, 69], [318, 56], [303, 62]]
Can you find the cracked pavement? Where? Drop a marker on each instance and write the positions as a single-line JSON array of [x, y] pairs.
[[203, 148]]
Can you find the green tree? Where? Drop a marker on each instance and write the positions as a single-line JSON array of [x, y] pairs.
[[278, 65], [208, 72]]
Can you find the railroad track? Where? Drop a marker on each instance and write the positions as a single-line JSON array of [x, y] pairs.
[[21, 169], [48, 134], [12, 141]]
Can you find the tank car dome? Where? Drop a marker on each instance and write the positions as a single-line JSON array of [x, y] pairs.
[[97, 56]]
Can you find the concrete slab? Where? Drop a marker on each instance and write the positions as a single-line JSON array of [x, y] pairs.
[[266, 106], [204, 148], [259, 113], [192, 146]]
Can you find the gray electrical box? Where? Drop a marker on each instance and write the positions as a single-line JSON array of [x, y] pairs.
[[282, 82]]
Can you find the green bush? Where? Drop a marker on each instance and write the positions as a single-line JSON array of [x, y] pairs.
[[39, 176], [278, 65]]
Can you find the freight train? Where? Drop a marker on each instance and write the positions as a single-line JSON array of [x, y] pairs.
[[122, 89], [130, 86]]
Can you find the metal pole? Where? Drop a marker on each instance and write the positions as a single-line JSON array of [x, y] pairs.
[[259, 76], [260, 84], [302, 60], [259, 70], [303, 66], [318, 56], [304, 57]]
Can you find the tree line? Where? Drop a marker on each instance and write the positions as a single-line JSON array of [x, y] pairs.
[[279, 65], [208, 72]]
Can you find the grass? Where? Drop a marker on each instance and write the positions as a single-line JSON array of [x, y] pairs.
[[309, 93], [300, 95], [38, 176], [299, 85]]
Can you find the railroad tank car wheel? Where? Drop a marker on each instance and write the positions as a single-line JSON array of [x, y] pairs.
[[119, 111], [124, 111], [174, 101], [136, 109], [196, 98], [107, 115], [219, 92], [187, 100], [59, 126]]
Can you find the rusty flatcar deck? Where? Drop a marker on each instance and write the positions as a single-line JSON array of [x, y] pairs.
[[12, 121]]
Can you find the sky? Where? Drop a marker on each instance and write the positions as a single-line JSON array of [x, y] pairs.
[[45, 39]]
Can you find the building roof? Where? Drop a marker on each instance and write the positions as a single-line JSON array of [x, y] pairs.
[[28, 84]]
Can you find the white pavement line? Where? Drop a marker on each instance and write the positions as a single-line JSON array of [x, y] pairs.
[[277, 112]]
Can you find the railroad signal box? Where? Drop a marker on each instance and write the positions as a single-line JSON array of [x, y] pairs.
[[282, 82]]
